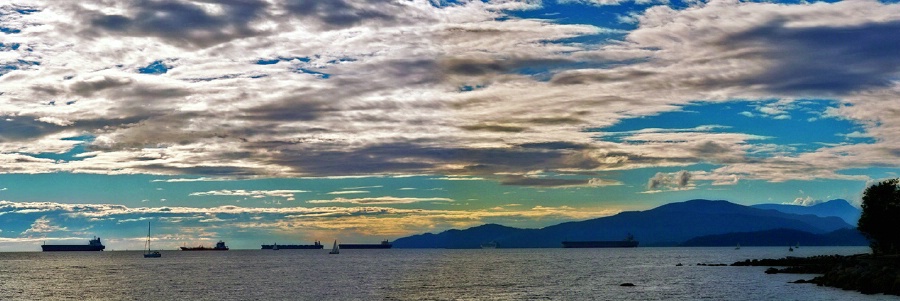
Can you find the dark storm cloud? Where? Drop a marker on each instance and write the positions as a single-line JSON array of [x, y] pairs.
[[494, 128], [829, 60], [290, 110], [337, 14], [487, 66], [25, 128], [720, 153], [542, 182], [202, 170], [410, 157], [555, 145], [87, 88], [185, 23]]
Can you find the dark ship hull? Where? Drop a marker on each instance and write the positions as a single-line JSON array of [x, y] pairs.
[[382, 245], [220, 246], [600, 244], [202, 249], [293, 247], [93, 245], [63, 248]]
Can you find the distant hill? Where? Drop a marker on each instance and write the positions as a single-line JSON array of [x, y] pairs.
[[666, 225], [463, 239], [839, 207], [780, 237]]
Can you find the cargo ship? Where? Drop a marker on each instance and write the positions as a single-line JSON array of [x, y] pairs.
[[628, 242], [383, 245], [316, 245], [93, 245], [220, 246], [490, 245]]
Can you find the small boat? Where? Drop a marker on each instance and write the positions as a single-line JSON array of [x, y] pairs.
[[150, 254], [490, 245], [335, 249], [275, 247], [790, 249]]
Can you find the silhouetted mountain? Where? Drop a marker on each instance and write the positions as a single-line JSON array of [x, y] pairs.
[[465, 239], [781, 237], [839, 207], [666, 225]]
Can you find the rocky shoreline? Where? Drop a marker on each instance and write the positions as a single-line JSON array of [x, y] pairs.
[[864, 273]]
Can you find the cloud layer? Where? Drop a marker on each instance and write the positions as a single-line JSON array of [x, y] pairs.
[[346, 88]]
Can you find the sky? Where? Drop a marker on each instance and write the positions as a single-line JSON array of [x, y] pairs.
[[291, 121]]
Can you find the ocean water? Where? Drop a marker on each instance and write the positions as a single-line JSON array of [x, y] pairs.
[[413, 274]]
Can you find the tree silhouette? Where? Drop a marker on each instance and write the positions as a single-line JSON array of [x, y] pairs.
[[880, 218]]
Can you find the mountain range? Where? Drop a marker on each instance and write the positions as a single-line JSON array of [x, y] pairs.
[[839, 207], [667, 225]]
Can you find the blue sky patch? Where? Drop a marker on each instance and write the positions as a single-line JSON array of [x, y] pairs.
[[469, 88], [281, 59], [8, 47], [156, 67], [317, 74], [799, 126], [607, 16], [27, 11]]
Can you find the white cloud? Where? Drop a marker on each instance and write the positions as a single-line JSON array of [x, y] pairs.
[[805, 201], [200, 179], [380, 200], [349, 192], [286, 194], [42, 226]]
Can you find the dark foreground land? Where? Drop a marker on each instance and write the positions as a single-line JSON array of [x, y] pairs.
[[864, 273]]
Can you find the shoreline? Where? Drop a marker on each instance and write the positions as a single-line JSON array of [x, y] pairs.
[[863, 273]]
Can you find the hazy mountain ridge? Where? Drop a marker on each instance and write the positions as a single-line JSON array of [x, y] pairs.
[[666, 225], [837, 207]]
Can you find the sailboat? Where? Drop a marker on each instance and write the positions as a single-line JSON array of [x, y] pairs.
[[150, 254], [335, 249], [738, 247], [275, 247]]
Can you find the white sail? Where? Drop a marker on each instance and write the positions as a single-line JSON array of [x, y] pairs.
[[335, 249]]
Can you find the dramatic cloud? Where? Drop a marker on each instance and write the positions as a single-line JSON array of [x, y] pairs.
[[435, 89], [675, 181]]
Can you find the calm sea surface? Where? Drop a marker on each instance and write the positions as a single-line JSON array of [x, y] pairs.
[[402, 274]]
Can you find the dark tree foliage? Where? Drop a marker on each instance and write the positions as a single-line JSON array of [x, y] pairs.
[[880, 220]]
